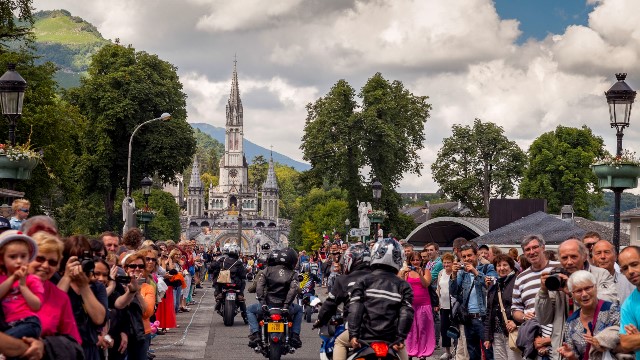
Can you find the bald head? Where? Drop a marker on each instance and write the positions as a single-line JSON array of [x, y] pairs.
[[604, 255], [573, 255]]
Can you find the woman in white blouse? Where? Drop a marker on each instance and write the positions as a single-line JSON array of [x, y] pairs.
[[445, 304]]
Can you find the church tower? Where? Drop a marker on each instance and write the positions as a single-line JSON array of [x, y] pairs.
[[270, 201], [195, 197]]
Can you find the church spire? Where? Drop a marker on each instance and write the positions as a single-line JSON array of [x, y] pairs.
[[195, 181], [271, 183], [234, 105]]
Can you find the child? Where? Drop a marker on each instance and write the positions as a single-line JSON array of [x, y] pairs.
[[22, 294]]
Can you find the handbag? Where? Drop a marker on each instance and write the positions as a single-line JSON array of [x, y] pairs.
[[513, 336], [433, 295], [225, 275]]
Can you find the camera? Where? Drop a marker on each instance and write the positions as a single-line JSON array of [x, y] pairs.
[[554, 282], [123, 279], [86, 260]]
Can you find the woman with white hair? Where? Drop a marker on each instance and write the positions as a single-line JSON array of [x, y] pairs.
[[592, 329]]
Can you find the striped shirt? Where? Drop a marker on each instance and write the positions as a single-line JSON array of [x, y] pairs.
[[525, 289]]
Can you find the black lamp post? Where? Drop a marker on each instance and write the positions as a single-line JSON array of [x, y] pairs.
[[620, 99], [240, 226], [146, 184], [346, 230], [377, 194], [12, 87]]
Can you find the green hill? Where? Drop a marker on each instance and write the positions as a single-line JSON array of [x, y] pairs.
[[67, 41]]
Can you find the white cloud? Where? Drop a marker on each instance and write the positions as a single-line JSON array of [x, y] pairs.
[[458, 52]]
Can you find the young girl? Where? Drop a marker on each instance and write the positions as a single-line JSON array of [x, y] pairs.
[[21, 293]]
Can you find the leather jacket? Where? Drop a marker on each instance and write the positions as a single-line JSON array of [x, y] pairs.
[[340, 294], [277, 286], [494, 313], [380, 307]]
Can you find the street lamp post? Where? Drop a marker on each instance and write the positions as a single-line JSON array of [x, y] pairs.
[[12, 87], [346, 230], [128, 204], [620, 99], [146, 184], [377, 194], [240, 226]]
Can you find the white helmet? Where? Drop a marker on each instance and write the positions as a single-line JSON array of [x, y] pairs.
[[234, 250], [387, 252]]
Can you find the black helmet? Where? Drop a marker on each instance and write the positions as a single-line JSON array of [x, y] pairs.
[[266, 246], [234, 251], [355, 256], [288, 257], [272, 259]]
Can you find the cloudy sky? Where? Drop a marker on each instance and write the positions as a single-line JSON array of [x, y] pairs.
[[527, 65]]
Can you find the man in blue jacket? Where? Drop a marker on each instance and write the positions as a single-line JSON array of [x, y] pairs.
[[469, 286]]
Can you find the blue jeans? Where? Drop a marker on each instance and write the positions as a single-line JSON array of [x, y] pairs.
[[177, 292], [474, 333], [254, 310], [29, 327]]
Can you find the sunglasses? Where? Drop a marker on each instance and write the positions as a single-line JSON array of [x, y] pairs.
[[24, 210], [150, 259], [336, 253], [41, 259], [139, 266]]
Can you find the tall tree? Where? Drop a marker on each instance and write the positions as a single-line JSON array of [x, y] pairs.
[[341, 140], [560, 170], [123, 89], [478, 163], [258, 171], [16, 21]]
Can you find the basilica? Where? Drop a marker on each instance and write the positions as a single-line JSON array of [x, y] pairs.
[[234, 208]]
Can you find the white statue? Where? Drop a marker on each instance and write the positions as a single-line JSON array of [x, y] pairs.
[[363, 211]]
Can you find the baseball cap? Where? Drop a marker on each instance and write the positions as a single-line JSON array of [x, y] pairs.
[[4, 224]]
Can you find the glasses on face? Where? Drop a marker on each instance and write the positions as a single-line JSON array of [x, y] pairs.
[[41, 259], [139, 266], [335, 253], [584, 289], [25, 210], [532, 248], [150, 259]]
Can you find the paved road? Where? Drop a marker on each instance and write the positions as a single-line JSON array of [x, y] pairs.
[[202, 335]]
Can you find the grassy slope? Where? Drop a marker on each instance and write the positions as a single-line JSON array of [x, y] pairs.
[[63, 30]]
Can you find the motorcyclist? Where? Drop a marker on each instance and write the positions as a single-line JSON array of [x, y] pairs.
[[380, 304], [238, 272], [277, 287], [356, 262]]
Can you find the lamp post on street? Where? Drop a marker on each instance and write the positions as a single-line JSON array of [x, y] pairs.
[[377, 194], [12, 88], [128, 205], [146, 184], [240, 226], [620, 99], [346, 230]]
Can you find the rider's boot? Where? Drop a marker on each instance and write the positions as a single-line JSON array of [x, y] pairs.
[[295, 340], [218, 303], [254, 339]]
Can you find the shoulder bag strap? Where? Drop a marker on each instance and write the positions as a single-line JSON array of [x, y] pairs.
[[232, 265], [593, 324], [504, 313]]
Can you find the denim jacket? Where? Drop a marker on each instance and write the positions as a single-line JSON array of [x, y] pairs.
[[461, 287]]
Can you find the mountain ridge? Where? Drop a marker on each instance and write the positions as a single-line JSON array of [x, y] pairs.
[[251, 149]]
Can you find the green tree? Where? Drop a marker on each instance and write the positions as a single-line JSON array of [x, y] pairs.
[[166, 224], [478, 163], [16, 21], [560, 170], [258, 171], [341, 140], [123, 89], [288, 188], [317, 212]]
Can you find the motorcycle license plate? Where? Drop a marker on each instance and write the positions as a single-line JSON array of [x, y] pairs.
[[231, 296], [275, 327]]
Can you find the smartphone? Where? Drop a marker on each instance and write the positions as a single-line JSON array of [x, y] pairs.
[[412, 268], [123, 279], [142, 281]]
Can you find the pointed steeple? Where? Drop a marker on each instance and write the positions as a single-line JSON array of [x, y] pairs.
[[271, 183], [234, 105], [195, 181]]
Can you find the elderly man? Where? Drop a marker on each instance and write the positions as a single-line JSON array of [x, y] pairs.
[[629, 317], [110, 240], [554, 306], [604, 256]]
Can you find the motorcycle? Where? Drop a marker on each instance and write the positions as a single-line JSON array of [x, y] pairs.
[[328, 334], [307, 298], [229, 307], [375, 350], [275, 333]]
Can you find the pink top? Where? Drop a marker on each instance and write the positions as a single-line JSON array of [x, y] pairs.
[[56, 314], [420, 294], [14, 305]]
